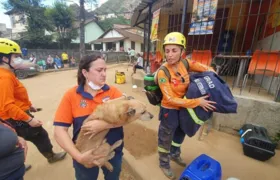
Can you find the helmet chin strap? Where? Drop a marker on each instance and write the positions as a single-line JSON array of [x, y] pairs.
[[180, 57], [9, 63]]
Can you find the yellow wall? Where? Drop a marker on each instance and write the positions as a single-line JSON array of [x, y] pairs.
[[162, 31]]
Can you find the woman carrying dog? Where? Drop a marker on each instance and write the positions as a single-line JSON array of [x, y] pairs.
[[170, 135], [15, 106], [76, 105]]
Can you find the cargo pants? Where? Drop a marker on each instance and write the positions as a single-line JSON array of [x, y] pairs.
[[170, 136], [37, 135]]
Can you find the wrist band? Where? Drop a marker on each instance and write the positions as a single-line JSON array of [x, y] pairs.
[[29, 120]]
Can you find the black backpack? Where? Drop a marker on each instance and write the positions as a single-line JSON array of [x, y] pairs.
[[151, 86]]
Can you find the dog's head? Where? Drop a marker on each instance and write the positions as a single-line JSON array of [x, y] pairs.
[[137, 110], [121, 111]]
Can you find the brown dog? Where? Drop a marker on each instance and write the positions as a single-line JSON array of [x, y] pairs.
[[117, 112]]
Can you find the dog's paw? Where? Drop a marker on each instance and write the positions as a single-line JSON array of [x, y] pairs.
[[91, 165], [116, 144], [104, 141], [130, 97], [111, 155], [109, 166]]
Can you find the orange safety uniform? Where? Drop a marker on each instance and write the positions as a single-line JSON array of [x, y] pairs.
[[14, 100], [75, 106], [174, 89], [15, 106]]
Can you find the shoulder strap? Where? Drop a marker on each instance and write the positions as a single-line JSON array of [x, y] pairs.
[[186, 64], [166, 71]]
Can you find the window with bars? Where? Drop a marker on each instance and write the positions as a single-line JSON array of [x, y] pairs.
[[244, 44]]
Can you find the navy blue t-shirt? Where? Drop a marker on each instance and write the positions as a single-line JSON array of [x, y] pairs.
[[11, 156]]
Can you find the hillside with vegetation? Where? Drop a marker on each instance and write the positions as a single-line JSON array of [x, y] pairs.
[[116, 6]]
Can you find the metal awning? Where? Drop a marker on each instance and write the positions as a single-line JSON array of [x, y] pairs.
[[141, 13]]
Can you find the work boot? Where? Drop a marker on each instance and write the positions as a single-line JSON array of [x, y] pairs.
[[27, 167], [54, 157], [178, 160], [168, 173]]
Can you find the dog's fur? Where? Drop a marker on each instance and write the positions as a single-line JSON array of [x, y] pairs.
[[117, 112]]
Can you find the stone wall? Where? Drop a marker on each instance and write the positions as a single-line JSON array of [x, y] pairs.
[[254, 111], [116, 57], [43, 54]]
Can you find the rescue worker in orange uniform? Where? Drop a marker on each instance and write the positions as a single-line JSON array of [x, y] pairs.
[[170, 135], [15, 106]]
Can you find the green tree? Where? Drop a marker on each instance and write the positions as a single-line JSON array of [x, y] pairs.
[[61, 17], [109, 22], [37, 22], [91, 3]]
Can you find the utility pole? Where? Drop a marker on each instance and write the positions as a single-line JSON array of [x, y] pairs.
[[82, 28], [184, 16], [150, 15]]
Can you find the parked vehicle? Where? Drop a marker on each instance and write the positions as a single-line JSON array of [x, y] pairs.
[[25, 69]]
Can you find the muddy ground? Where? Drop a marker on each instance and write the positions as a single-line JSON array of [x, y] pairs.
[[46, 91]]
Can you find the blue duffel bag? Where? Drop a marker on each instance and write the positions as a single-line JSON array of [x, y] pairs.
[[202, 84]]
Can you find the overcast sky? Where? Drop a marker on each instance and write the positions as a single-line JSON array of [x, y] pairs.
[[5, 19]]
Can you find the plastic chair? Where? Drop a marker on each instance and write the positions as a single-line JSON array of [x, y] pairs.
[[265, 63], [155, 61], [202, 56], [159, 57], [184, 55]]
